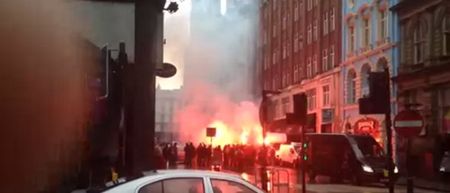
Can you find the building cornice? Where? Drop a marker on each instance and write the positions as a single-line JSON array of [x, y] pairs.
[[368, 54]]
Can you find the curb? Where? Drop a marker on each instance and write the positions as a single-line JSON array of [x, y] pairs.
[[426, 188]]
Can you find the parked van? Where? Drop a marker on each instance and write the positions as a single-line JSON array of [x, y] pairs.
[[287, 155], [359, 159]]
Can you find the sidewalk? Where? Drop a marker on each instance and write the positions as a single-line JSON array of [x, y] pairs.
[[440, 186]]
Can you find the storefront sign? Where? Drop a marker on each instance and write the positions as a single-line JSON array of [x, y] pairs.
[[366, 126]]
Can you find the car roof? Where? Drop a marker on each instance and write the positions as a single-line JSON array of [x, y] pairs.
[[190, 172], [162, 174]]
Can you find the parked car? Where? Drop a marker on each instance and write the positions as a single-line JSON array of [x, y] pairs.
[[357, 158], [186, 181]]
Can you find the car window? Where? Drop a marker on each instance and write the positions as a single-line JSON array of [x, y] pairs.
[[152, 188], [183, 185], [225, 186], [178, 185]]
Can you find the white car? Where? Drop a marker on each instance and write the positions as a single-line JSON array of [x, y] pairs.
[[186, 181]]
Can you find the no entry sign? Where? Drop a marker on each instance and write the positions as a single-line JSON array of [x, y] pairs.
[[408, 123]]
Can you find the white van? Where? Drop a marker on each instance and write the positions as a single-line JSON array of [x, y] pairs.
[[287, 155]]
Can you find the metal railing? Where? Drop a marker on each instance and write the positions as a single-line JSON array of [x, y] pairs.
[[276, 183]]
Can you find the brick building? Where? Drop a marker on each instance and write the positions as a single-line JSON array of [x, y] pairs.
[[299, 51]]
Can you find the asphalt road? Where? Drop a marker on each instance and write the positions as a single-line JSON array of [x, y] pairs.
[[285, 180]]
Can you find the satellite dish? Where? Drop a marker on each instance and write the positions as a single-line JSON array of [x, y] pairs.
[[166, 71]]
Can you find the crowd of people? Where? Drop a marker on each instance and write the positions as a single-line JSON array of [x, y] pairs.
[[238, 157]]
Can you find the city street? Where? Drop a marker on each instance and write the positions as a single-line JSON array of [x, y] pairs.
[[322, 185]]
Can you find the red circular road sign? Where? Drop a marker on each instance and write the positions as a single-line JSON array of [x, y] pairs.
[[408, 123]]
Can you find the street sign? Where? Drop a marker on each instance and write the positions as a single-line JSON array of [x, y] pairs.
[[408, 123], [210, 132], [167, 70]]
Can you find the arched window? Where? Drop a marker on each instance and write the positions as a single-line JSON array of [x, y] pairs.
[[351, 39], [365, 80], [383, 25], [351, 87], [365, 32], [383, 14], [419, 43], [446, 35]]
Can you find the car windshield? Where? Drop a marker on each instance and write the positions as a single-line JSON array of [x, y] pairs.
[[369, 147]]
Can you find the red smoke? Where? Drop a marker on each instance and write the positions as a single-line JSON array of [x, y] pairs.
[[207, 106]]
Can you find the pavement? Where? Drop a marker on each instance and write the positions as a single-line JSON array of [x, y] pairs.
[[441, 186]]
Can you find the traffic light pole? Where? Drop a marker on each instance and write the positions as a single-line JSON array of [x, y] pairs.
[[303, 167], [140, 88], [389, 137]]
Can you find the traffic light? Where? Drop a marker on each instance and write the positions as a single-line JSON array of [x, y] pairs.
[[305, 150], [300, 109], [379, 87], [378, 101]]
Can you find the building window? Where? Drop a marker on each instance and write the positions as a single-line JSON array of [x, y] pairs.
[[301, 41], [273, 83], [309, 4], [274, 57], [284, 22], [296, 41], [308, 67], [351, 87], [309, 35], [332, 20], [446, 35], [366, 33], [285, 105], [311, 99], [314, 65], [383, 27], [326, 95], [365, 80], [295, 11], [301, 6], [265, 38], [332, 56], [351, 38], [266, 62], [295, 73], [288, 50], [316, 3], [325, 60], [315, 30], [284, 51], [418, 45], [274, 30], [325, 24]]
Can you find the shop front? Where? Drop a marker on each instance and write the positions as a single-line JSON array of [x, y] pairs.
[[372, 125]]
